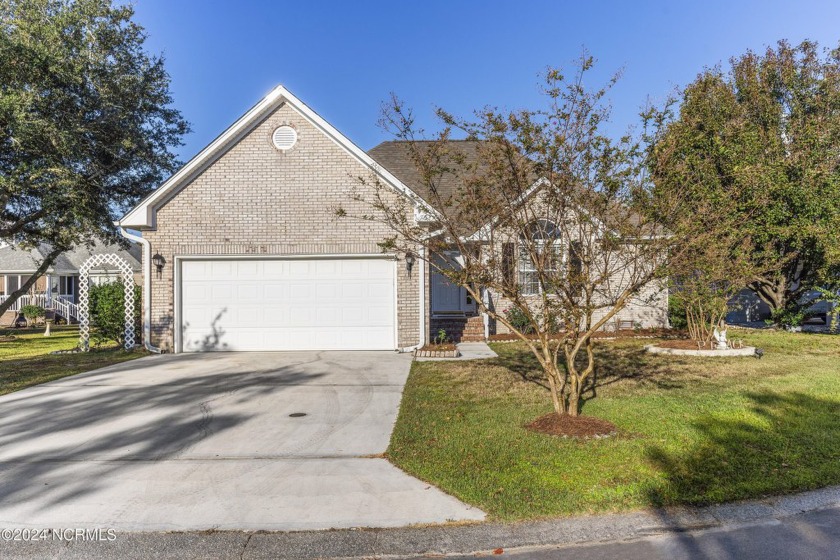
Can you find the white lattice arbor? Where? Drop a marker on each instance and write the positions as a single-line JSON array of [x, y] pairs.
[[84, 297]]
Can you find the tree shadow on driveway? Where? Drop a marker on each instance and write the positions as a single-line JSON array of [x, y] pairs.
[[111, 426]]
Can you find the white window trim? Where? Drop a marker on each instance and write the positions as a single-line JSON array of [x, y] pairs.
[[70, 280], [6, 281], [525, 259]]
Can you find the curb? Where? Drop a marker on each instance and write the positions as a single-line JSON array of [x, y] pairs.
[[433, 540]]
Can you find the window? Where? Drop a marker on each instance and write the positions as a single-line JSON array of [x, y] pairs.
[[546, 243], [67, 285], [12, 283], [15, 281]]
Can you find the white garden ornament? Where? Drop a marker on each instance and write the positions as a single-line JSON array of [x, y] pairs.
[[720, 338], [84, 297]]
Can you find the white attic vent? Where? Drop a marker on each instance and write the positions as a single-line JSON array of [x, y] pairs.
[[284, 138]]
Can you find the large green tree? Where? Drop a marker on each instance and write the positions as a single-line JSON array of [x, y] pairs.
[[86, 122], [762, 140]]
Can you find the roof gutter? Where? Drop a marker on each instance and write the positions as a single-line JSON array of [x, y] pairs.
[[147, 287]]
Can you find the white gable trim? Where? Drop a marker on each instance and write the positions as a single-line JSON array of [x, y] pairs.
[[143, 216], [483, 233]]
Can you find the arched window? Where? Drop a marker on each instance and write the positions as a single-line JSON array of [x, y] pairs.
[[545, 242]]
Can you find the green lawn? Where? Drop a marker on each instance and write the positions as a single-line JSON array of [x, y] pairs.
[[692, 431], [26, 360]]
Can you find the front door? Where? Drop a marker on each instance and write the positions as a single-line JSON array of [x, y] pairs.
[[446, 296]]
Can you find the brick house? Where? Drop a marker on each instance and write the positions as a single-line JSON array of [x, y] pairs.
[[242, 248]]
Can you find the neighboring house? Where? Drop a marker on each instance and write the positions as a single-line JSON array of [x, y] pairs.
[[746, 307], [243, 249], [58, 289]]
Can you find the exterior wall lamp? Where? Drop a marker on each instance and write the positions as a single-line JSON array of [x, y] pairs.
[[409, 262], [159, 262]]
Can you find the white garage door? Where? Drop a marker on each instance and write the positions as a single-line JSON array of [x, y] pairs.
[[294, 304]]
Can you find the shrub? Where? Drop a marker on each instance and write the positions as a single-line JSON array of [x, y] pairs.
[[676, 313], [791, 316], [107, 312], [32, 313], [519, 320]]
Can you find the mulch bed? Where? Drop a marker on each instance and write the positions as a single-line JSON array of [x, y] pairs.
[[438, 347], [624, 333], [447, 350], [572, 426]]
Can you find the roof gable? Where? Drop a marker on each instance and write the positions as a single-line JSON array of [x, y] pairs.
[[143, 216]]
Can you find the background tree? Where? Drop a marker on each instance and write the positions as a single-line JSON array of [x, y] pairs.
[[762, 141], [86, 123], [548, 188]]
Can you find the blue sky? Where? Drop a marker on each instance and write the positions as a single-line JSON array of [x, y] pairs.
[[344, 58]]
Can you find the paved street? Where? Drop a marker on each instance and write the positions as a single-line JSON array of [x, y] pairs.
[[271, 441], [814, 535]]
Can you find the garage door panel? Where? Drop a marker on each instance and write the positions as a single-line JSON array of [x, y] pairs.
[[221, 270], [379, 315], [279, 304]]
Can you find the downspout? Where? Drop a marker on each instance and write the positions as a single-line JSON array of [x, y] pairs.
[[422, 275], [485, 300], [147, 287]]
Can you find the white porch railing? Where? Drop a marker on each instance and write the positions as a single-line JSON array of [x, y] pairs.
[[62, 304], [38, 299], [66, 308]]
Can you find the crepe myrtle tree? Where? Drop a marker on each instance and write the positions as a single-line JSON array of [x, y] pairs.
[[708, 278], [550, 214]]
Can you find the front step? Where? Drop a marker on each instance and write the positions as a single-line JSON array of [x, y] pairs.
[[459, 329]]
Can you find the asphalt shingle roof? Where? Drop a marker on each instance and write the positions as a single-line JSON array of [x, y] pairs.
[[395, 156], [16, 259]]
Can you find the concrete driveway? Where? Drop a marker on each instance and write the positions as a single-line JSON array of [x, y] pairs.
[[215, 441]]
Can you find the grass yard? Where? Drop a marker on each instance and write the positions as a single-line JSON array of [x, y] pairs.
[[26, 360], [692, 430]]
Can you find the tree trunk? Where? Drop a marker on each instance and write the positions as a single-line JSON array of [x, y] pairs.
[[575, 385], [771, 292], [21, 291], [574, 400], [553, 383]]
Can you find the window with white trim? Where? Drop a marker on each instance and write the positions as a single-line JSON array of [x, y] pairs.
[[549, 251], [67, 285]]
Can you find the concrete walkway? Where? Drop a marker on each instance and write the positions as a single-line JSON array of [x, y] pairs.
[[248, 441], [469, 351]]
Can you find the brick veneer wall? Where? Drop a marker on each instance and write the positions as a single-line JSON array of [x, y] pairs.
[[255, 199]]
